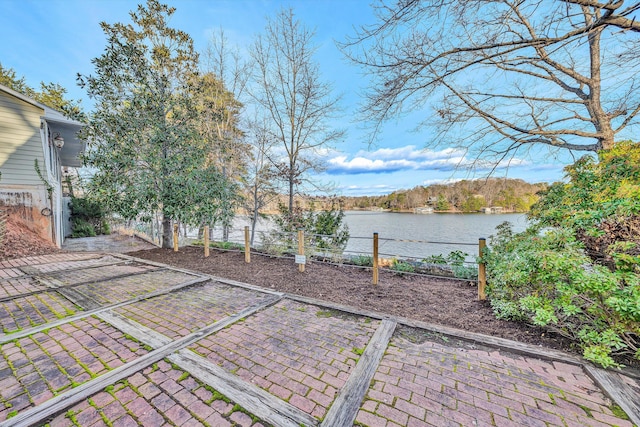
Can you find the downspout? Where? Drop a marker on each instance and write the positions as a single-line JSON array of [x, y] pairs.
[[44, 177]]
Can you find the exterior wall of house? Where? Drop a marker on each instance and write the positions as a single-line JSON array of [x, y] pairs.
[[22, 192], [20, 142], [30, 204]]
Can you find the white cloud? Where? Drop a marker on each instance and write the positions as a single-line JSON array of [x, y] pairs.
[[440, 181], [371, 190], [387, 160]]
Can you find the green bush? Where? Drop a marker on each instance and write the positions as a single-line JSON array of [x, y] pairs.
[[401, 267], [601, 204], [467, 272], [87, 213], [220, 245], [325, 231], [456, 260], [547, 279], [81, 228], [435, 259], [362, 260], [580, 277], [226, 245]]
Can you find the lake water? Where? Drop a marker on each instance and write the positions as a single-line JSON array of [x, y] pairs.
[[407, 235]]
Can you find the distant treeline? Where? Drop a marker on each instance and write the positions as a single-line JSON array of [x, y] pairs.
[[513, 195]]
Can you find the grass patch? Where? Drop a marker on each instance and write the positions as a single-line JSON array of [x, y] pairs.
[[238, 408], [71, 414], [586, 411], [618, 412], [215, 395], [324, 313]]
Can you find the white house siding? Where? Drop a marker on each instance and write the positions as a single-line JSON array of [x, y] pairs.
[[20, 142]]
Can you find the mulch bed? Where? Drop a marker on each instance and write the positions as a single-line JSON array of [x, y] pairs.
[[441, 301], [18, 240]]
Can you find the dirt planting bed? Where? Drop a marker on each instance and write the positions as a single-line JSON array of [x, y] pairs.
[[442, 301]]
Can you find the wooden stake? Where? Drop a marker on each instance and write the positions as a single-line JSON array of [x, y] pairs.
[[247, 247], [375, 258], [301, 249], [175, 237], [482, 273], [206, 241]]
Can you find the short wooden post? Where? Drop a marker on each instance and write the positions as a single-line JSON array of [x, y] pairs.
[[175, 237], [301, 249], [247, 247], [206, 241], [375, 258], [482, 273]]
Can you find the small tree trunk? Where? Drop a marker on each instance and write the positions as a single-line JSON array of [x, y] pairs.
[[291, 186], [254, 221], [167, 233], [256, 208]]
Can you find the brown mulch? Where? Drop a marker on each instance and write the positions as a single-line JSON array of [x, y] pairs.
[[18, 240], [441, 301]]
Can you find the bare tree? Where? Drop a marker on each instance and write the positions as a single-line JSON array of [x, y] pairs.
[[261, 183], [290, 90], [504, 76]]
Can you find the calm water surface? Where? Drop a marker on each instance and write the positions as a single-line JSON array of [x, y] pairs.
[[418, 236], [410, 235]]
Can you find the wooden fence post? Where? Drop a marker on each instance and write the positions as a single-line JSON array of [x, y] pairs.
[[482, 273], [206, 241], [375, 258], [175, 237], [301, 249], [247, 247]]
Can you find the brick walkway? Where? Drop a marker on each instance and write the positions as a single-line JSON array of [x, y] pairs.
[[106, 340]]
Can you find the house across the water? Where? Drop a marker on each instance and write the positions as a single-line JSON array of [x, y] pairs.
[[492, 210], [423, 210]]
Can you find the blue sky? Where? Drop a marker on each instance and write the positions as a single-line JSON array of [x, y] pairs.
[[53, 40]]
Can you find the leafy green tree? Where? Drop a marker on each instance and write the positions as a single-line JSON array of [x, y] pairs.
[[51, 94], [218, 124], [146, 145], [473, 203], [442, 204], [10, 79], [601, 203]]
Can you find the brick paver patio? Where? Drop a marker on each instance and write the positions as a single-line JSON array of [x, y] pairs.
[[298, 352], [432, 383], [106, 340]]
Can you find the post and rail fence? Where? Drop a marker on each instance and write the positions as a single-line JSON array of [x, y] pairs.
[[298, 246]]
